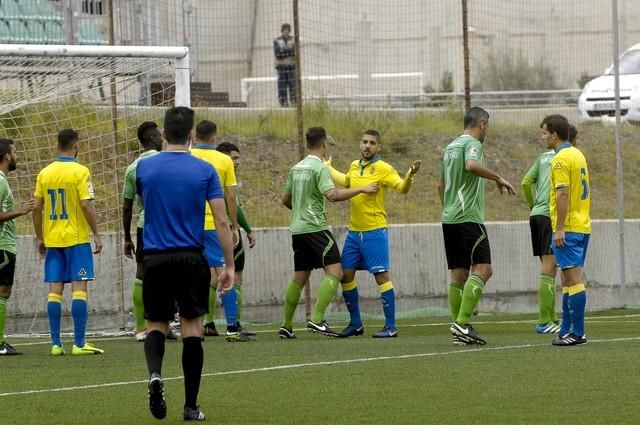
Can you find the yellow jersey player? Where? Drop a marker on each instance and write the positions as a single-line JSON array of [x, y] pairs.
[[367, 243], [569, 206], [62, 216], [205, 149]]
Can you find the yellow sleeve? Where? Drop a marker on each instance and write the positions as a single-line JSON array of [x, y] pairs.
[[560, 174], [393, 180], [85, 188], [38, 192], [337, 176]]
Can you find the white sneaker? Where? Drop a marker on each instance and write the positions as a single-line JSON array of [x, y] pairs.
[[140, 335]]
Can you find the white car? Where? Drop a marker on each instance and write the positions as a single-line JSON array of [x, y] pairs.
[[597, 99]]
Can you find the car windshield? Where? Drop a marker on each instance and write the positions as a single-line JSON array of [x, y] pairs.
[[629, 63]]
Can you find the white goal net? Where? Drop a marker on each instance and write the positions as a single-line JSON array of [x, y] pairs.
[[104, 93]]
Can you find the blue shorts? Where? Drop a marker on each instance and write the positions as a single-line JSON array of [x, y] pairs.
[[212, 249], [74, 263], [574, 251], [366, 251]]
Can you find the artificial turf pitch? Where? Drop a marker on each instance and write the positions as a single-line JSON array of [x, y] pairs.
[[418, 378]]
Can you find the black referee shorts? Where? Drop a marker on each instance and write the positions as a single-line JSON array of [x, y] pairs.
[[175, 278], [541, 235], [314, 250], [466, 244]]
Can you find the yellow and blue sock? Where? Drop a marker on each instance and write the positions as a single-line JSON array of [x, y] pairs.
[[351, 299], [54, 312], [3, 316], [138, 305], [388, 299], [577, 304], [80, 316], [230, 305], [565, 326]]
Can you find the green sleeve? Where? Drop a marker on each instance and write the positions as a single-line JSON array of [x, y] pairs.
[[130, 184], [242, 220], [287, 187], [325, 182], [527, 181]]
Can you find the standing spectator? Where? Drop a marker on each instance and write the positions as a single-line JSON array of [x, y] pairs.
[[284, 51]]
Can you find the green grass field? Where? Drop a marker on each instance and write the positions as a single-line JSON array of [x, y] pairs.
[[418, 378]]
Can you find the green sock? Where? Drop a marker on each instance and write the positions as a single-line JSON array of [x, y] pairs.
[[455, 299], [291, 299], [326, 293], [238, 288], [546, 299], [470, 296], [138, 305], [3, 316], [212, 306]]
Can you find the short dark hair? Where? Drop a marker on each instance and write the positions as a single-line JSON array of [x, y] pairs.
[[374, 133], [178, 122], [227, 147], [315, 136], [474, 116], [573, 134], [5, 147], [285, 25], [205, 129], [145, 133], [556, 124], [67, 138]]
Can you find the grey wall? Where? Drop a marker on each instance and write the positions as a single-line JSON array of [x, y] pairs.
[[418, 271]]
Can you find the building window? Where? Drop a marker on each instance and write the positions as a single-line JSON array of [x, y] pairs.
[[93, 7]]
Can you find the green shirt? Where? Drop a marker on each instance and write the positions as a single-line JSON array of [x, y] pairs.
[[7, 228], [463, 191], [539, 174], [130, 184], [307, 182]]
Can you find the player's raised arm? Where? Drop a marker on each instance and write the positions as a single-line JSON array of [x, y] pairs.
[[337, 177], [404, 185]]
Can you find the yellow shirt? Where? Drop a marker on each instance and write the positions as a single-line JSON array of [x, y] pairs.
[[367, 210], [224, 166], [62, 185], [569, 169]]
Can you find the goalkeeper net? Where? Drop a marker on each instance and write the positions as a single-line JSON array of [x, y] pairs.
[[104, 94]]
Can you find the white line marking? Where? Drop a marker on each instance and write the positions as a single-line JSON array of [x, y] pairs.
[[595, 319], [302, 365]]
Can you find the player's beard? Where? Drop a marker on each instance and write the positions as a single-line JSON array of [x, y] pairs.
[[13, 165]]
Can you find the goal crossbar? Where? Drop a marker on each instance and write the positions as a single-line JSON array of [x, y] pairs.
[[179, 54]]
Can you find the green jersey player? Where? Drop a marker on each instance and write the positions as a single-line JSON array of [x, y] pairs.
[[461, 189]]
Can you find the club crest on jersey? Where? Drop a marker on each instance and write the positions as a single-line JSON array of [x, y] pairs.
[[373, 170]]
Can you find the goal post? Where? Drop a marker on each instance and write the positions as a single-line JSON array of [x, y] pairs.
[[104, 93]]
